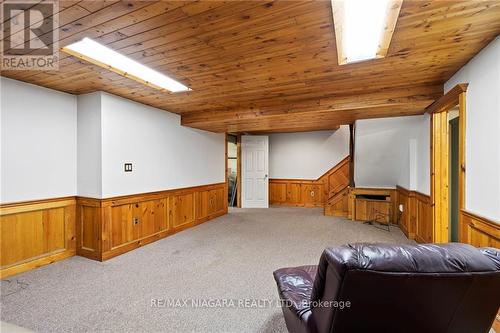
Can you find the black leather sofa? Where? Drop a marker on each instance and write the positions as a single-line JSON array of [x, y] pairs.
[[393, 288]]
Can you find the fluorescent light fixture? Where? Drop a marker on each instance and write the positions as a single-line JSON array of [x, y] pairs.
[[98, 54], [364, 28]]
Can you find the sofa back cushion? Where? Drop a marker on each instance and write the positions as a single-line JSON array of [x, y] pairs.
[[407, 287]]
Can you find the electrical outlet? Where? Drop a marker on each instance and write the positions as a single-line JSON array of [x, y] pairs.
[[135, 221], [128, 167]]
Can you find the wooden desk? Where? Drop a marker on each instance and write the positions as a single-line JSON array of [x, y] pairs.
[[362, 205]]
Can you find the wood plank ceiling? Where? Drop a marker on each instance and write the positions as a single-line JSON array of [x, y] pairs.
[[260, 66]]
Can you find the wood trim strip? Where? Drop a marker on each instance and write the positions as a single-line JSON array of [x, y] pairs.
[[413, 193], [461, 157], [479, 227], [484, 220], [153, 195], [31, 205], [371, 190], [478, 230], [26, 266], [448, 100], [35, 201], [27, 261], [295, 181], [422, 197], [336, 167], [403, 190], [4, 206]]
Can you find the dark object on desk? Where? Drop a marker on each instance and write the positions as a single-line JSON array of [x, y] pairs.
[[393, 288]]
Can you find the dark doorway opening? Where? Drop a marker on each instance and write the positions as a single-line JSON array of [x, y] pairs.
[[232, 170], [454, 174]]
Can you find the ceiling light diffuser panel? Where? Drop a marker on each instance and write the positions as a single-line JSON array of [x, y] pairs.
[[364, 28], [103, 56]]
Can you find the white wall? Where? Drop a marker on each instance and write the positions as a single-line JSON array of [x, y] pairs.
[[482, 130], [38, 157], [56, 144], [423, 156], [306, 155], [164, 154], [392, 151], [89, 146]]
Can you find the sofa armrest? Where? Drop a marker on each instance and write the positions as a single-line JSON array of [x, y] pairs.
[[295, 286]]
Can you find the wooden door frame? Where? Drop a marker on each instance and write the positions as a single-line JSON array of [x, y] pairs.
[[439, 131]]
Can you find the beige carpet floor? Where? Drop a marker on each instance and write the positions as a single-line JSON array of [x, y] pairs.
[[225, 266]]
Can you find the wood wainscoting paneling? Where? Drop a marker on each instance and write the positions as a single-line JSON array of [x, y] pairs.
[[424, 232], [88, 227], [406, 219], [295, 192], [479, 231], [109, 227], [36, 233], [338, 205], [310, 192], [416, 218]]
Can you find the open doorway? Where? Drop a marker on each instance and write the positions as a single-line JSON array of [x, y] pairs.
[[233, 170], [453, 120]]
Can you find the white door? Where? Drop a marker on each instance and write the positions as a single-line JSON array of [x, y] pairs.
[[254, 175]]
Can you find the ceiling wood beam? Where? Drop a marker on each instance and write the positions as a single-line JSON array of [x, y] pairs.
[[296, 129], [309, 121], [327, 112]]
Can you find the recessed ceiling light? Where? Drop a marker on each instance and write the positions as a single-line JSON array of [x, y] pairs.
[[364, 28], [98, 54]]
